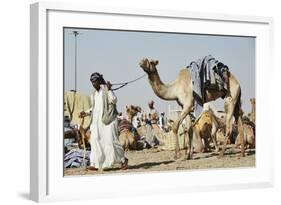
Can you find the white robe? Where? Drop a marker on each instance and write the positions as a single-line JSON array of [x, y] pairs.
[[105, 147]]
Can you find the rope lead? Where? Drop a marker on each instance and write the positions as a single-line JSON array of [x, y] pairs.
[[126, 83]]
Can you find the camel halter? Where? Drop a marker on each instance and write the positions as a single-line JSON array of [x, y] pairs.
[[126, 83]]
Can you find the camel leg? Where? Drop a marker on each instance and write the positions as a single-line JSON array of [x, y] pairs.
[[206, 145], [241, 133], [189, 150], [175, 132], [176, 125], [229, 109], [213, 136]]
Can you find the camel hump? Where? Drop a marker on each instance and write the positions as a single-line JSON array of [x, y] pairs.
[[185, 75]]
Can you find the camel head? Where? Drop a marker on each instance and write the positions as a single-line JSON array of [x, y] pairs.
[[253, 100], [133, 110], [149, 66]]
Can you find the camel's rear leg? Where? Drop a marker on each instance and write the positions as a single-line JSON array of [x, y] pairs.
[[229, 110], [241, 133], [213, 136], [189, 133]]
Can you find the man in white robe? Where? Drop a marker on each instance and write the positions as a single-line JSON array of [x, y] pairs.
[[105, 147]]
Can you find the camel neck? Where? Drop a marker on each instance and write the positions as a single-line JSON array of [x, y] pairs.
[[160, 89]]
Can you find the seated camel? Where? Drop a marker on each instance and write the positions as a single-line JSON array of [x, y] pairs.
[[128, 135], [249, 137]]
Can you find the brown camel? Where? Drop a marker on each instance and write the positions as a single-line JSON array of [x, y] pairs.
[[127, 138], [205, 128], [181, 91]]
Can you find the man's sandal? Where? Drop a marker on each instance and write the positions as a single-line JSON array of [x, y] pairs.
[[92, 168], [124, 165]]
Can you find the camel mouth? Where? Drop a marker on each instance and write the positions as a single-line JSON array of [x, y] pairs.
[[143, 62]]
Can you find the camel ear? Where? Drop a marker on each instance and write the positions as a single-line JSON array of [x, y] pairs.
[[154, 62]]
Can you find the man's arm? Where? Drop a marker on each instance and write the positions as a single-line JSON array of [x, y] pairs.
[[111, 96], [89, 111]]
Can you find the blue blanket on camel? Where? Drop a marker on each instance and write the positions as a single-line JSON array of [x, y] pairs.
[[206, 72]]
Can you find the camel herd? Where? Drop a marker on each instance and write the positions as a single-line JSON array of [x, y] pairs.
[[208, 131]]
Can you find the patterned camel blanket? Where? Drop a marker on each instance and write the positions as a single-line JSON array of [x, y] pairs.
[[206, 72]]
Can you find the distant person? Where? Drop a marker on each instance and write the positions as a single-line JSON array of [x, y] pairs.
[[163, 121], [151, 125], [105, 147], [152, 113]]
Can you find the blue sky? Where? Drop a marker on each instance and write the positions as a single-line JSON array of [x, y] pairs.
[[116, 55]]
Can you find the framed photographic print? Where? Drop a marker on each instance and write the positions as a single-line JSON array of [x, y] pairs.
[[151, 101]]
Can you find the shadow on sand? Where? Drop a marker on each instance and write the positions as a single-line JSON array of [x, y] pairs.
[[145, 165], [228, 153], [148, 165]]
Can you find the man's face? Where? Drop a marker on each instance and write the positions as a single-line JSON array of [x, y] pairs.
[[96, 84]]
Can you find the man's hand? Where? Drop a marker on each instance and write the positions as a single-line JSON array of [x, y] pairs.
[[108, 85], [82, 114]]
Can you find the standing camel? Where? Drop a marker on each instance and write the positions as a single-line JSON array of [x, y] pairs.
[[181, 91]]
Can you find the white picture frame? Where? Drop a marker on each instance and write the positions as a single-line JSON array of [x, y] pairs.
[[46, 177]]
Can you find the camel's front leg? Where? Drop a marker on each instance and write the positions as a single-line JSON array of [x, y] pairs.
[[175, 132], [176, 128]]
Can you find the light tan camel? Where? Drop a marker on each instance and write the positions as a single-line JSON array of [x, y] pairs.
[[181, 91]]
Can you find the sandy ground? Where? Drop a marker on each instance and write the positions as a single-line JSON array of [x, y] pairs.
[[151, 160]]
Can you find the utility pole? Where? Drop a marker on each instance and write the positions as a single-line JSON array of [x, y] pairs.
[[75, 33]]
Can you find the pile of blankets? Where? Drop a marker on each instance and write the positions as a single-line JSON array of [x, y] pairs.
[[74, 158]]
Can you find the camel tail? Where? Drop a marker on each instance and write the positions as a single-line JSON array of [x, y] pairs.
[[237, 110]]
